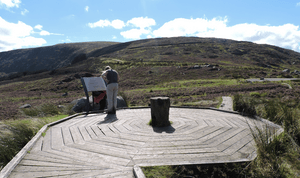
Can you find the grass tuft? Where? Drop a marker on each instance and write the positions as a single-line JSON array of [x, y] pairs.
[[47, 110], [244, 105], [15, 134]]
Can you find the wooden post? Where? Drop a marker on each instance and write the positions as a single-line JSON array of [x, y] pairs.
[[160, 111]]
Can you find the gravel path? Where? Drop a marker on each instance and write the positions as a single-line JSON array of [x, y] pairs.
[[271, 79], [226, 103]]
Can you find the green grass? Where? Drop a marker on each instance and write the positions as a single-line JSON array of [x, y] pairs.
[[47, 109], [159, 171], [15, 134], [201, 103], [190, 84]]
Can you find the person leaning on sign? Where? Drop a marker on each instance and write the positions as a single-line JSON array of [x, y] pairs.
[[112, 78]]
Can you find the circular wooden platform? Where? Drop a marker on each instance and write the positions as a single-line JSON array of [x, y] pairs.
[[96, 146]]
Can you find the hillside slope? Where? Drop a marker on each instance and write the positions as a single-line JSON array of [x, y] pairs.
[[202, 50], [46, 58]]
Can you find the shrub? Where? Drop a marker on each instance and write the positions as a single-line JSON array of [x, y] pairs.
[[255, 94], [31, 111], [272, 110], [48, 109], [284, 115], [291, 123], [68, 109], [244, 104]]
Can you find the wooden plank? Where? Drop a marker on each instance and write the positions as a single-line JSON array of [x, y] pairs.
[[117, 174], [76, 135], [97, 131], [227, 134], [92, 157], [47, 140], [38, 146], [46, 174], [71, 122], [121, 144], [86, 136], [56, 138], [45, 155], [106, 130], [91, 132], [26, 168], [45, 163], [97, 173], [235, 143], [229, 121], [68, 140], [104, 150]]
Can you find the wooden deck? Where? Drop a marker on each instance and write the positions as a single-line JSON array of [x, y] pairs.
[[90, 146]]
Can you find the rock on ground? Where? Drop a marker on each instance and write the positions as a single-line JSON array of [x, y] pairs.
[[80, 104]]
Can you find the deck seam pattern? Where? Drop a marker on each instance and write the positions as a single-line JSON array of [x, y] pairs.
[[91, 146]]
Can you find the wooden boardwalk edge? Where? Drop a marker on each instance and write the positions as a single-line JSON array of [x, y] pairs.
[[137, 171], [16, 160]]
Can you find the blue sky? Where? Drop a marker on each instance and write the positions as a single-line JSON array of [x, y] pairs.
[[34, 23]]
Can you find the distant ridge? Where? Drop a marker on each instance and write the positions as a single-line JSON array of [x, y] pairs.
[[46, 58], [191, 49]]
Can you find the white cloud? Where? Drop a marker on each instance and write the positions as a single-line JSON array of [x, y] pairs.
[[100, 23], [24, 12], [143, 27], [114, 37], [141, 22], [44, 33], [189, 27], [135, 33], [65, 41], [17, 35], [118, 24], [86, 8], [10, 3], [298, 4], [287, 35], [39, 27]]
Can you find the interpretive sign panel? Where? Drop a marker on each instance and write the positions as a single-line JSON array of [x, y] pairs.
[[94, 83]]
